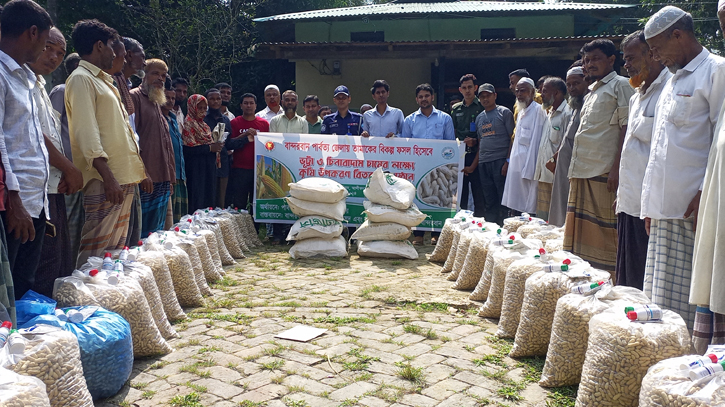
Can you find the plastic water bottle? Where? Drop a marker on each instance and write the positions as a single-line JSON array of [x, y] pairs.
[[134, 253], [16, 343], [698, 361], [123, 256], [588, 288], [61, 315], [4, 332], [645, 313], [556, 267], [107, 262], [707, 370], [115, 276]]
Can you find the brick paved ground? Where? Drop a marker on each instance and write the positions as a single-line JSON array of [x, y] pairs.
[[398, 336]]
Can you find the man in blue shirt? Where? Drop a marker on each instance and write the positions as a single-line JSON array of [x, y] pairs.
[[431, 123], [383, 120], [428, 122], [343, 121]]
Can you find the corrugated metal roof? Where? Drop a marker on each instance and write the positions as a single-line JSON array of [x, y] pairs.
[[531, 39], [439, 8]]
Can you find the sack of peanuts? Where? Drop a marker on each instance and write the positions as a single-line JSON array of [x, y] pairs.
[[106, 348], [181, 270], [546, 233], [451, 258], [211, 242], [145, 277], [515, 222], [387, 249], [620, 351], [514, 289], [125, 298], [228, 232], [156, 261], [308, 227], [318, 247], [464, 243], [570, 330], [369, 231], [387, 189], [207, 261], [303, 208], [475, 260], [188, 247], [204, 221], [21, 391], [669, 384], [238, 215], [410, 217], [440, 253], [251, 231], [554, 245], [480, 293], [541, 293], [236, 227], [53, 356], [317, 189]]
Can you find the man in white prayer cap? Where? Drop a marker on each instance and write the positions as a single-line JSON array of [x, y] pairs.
[[271, 98], [590, 231], [577, 86], [685, 119], [648, 77], [520, 190]]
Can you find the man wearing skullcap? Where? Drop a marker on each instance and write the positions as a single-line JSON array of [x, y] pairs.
[[707, 290], [685, 119], [520, 189], [590, 231], [648, 77], [577, 85]]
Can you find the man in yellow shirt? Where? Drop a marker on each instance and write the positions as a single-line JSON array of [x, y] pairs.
[[103, 144]]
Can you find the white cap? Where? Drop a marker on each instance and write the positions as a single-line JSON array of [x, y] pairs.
[[271, 87], [527, 80], [577, 70], [662, 20]]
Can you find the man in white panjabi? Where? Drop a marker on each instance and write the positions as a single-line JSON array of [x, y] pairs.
[[707, 290], [520, 190], [684, 123]]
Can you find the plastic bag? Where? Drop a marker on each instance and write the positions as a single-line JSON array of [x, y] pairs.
[[211, 243], [316, 247], [106, 348], [502, 259], [480, 293], [125, 298], [445, 240], [156, 261], [190, 249], [21, 391], [387, 189], [665, 385], [303, 208], [472, 268], [31, 305], [410, 217], [464, 243], [513, 293], [542, 292], [554, 245], [251, 230], [547, 233], [317, 189], [369, 231], [456, 231], [315, 226], [236, 228], [619, 353], [226, 225], [401, 249], [53, 356], [570, 331]]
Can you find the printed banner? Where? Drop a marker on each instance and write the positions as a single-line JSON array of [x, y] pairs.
[[431, 165]]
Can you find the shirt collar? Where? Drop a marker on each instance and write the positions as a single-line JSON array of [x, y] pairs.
[[660, 78], [692, 65], [434, 112], [561, 108], [13, 66], [603, 81], [475, 102], [96, 71], [375, 110]]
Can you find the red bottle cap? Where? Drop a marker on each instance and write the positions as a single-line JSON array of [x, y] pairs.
[[567, 262], [236, 209], [108, 255], [176, 229], [140, 243], [601, 283], [125, 247], [210, 208], [480, 224], [93, 272], [6, 324], [632, 315], [512, 237], [712, 357], [542, 251], [189, 220]]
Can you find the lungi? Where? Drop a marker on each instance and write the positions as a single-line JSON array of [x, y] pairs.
[[669, 266], [106, 226], [590, 231], [134, 221], [631, 250], [153, 208], [543, 200], [180, 200], [56, 258], [7, 290], [76, 217], [709, 329]]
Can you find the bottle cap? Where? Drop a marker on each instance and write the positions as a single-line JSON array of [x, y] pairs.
[[537, 256], [236, 209], [107, 255], [567, 262], [628, 309], [93, 272], [632, 315], [483, 229], [564, 267], [542, 251], [6, 324], [712, 357], [140, 243], [189, 220], [463, 219], [512, 237], [498, 231], [176, 229], [530, 219], [125, 248], [473, 222], [480, 224]]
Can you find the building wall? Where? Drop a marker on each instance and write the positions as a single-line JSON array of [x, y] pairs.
[[359, 74], [435, 28]]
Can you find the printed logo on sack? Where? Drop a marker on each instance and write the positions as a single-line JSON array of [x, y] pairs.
[[269, 146], [389, 178], [447, 153]]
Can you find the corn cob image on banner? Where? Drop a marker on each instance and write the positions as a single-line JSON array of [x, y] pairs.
[[433, 166]]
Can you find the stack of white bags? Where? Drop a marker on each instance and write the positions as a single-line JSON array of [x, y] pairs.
[[390, 214], [320, 204]]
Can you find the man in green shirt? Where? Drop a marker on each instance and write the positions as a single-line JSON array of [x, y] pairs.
[[464, 121], [311, 104]]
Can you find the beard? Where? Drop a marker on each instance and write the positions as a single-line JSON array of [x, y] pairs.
[[178, 102], [637, 80], [521, 106], [546, 104], [290, 109], [156, 95], [575, 102]]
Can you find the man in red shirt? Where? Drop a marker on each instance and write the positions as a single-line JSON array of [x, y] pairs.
[[244, 129]]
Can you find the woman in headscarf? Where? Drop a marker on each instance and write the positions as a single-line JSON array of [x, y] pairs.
[[200, 155], [213, 117]]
